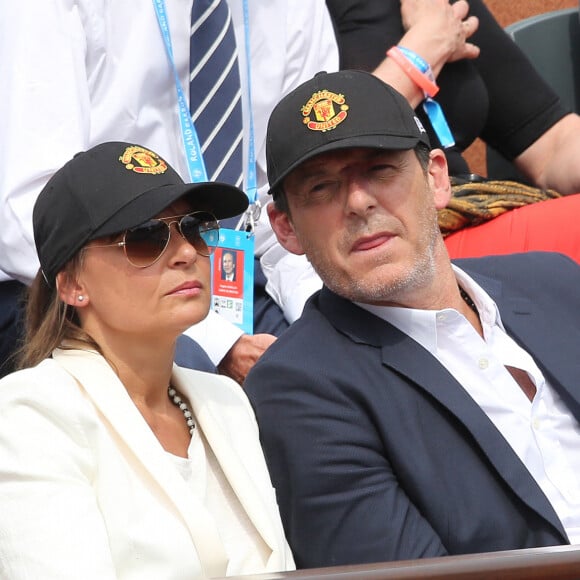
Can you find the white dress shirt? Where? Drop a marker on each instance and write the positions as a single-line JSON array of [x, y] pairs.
[[79, 72], [543, 433]]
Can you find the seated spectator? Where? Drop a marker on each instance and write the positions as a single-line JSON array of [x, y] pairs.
[[70, 80], [114, 462], [418, 407]]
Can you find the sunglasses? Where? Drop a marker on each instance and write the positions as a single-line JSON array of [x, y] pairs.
[[144, 244]]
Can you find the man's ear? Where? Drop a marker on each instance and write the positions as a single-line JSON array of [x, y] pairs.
[[439, 178], [70, 290], [284, 229]]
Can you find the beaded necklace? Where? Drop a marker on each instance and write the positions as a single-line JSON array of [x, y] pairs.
[[179, 402], [467, 299]]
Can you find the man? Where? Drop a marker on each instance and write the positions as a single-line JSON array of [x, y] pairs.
[[228, 266], [70, 80], [402, 416]]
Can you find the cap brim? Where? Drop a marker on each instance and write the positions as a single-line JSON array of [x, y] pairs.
[[221, 199], [392, 142]]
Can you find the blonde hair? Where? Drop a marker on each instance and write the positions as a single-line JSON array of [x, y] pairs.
[[49, 321]]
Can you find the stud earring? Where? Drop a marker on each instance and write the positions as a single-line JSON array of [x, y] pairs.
[[80, 298]]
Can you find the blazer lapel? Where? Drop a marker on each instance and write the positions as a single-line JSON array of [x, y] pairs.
[[110, 397], [209, 417], [407, 357]]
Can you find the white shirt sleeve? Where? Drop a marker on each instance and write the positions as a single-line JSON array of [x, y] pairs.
[[291, 281], [45, 118], [215, 334]]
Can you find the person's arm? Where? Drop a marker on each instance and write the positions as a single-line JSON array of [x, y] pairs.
[[232, 351], [243, 355], [340, 499], [50, 523], [526, 120], [434, 29], [438, 32], [552, 160]]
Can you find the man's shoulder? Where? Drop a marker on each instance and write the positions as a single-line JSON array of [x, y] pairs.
[[503, 261], [308, 341], [518, 265], [548, 279]]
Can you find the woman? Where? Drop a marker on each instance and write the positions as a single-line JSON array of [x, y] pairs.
[[113, 462]]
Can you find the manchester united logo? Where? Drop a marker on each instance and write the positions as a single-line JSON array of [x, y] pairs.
[[141, 160], [328, 109]]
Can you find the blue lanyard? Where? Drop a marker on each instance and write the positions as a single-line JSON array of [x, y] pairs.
[[431, 107], [191, 144], [251, 179], [193, 152]]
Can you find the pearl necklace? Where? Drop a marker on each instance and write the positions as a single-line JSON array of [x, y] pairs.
[[179, 402]]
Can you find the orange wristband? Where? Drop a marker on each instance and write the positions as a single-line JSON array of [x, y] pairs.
[[419, 78]]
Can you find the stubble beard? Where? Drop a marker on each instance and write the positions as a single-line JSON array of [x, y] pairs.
[[384, 284]]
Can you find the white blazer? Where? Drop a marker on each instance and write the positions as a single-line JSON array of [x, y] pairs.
[[87, 491]]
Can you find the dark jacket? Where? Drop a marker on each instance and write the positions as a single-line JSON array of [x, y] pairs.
[[377, 452]]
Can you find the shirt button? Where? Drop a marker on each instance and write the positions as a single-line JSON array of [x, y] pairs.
[[536, 423], [483, 363], [441, 317]]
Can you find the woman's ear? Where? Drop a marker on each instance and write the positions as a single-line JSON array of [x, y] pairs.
[[284, 229], [439, 177], [70, 290]]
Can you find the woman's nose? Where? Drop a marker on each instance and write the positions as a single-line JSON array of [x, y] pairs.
[[182, 250]]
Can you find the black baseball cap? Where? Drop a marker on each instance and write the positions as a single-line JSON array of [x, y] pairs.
[[335, 111], [110, 188]]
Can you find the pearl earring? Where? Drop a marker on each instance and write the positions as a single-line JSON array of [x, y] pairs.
[[80, 298]]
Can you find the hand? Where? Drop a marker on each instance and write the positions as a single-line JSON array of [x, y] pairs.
[[440, 29], [244, 354]]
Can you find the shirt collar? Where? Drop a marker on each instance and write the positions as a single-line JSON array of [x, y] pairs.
[[421, 325]]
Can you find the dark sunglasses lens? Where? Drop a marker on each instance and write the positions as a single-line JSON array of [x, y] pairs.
[[201, 230], [145, 243]]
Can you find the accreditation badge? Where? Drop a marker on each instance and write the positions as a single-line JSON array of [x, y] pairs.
[[232, 277]]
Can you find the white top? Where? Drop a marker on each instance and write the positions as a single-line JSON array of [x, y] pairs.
[[243, 545], [79, 72], [543, 433]]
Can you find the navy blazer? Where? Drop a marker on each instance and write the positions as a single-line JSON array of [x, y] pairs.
[[377, 452]]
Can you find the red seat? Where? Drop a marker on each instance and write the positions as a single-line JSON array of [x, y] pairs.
[[551, 226]]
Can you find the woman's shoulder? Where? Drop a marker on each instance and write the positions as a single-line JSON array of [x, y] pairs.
[[43, 404], [46, 375], [46, 389]]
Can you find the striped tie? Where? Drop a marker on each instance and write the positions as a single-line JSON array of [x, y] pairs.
[[214, 90]]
